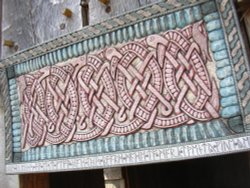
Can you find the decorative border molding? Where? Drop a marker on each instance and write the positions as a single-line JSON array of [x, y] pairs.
[[232, 71], [228, 145], [4, 89], [238, 57]]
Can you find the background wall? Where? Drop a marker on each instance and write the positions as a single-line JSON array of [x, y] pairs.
[[30, 22]]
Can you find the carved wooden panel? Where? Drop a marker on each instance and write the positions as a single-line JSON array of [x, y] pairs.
[[159, 81], [167, 82]]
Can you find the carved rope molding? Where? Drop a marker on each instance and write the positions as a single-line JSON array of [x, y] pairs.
[[238, 56], [154, 82]]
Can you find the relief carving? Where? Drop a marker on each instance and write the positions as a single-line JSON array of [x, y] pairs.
[[159, 81]]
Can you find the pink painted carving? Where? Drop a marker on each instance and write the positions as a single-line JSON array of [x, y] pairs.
[[159, 81]]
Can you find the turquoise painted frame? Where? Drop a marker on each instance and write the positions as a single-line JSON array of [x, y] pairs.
[[228, 134]]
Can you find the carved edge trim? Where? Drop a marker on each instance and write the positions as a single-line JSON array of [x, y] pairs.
[[238, 56], [224, 69], [218, 45], [209, 130], [15, 113], [114, 23], [4, 89], [231, 144]]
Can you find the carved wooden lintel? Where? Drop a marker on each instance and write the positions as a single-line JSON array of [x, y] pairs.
[[167, 82]]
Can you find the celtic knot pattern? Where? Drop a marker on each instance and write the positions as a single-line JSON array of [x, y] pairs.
[[159, 81]]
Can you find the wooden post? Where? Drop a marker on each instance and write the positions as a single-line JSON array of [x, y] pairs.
[[247, 22], [34, 180], [113, 178]]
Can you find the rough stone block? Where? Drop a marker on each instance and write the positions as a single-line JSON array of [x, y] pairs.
[[228, 91], [218, 45], [230, 111], [211, 17], [16, 149], [180, 19], [216, 35], [229, 81], [188, 15], [236, 124], [213, 25], [219, 55], [16, 125], [197, 13], [171, 21], [16, 139], [229, 101], [208, 7], [72, 149], [16, 132], [17, 145], [222, 63], [14, 97], [224, 72]]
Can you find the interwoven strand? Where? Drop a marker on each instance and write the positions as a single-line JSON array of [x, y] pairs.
[[159, 81]]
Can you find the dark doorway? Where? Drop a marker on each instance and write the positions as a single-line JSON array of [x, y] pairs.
[[230, 171], [77, 179]]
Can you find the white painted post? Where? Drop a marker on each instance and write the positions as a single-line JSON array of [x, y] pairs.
[[113, 178]]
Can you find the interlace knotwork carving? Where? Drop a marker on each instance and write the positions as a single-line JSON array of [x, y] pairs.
[[159, 81]]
